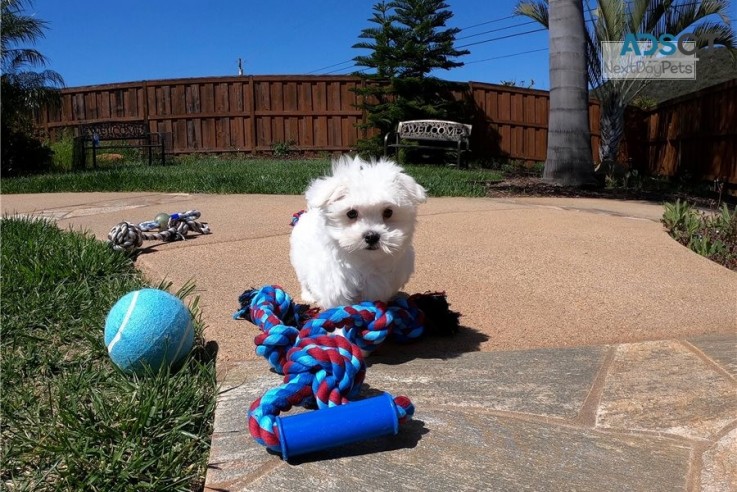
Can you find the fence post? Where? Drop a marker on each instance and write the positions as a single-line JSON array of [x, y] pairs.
[[252, 95], [364, 113], [145, 104]]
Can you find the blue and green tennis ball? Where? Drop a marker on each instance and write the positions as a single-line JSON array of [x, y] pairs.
[[148, 328]]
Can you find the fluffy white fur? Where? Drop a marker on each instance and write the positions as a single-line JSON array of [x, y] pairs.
[[354, 242]]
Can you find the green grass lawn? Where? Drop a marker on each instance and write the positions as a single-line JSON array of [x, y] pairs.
[[213, 175], [69, 419]]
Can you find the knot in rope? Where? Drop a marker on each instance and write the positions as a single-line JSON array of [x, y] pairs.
[[180, 224], [366, 324], [334, 365], [277, 316], [409, 320], [125, 236]]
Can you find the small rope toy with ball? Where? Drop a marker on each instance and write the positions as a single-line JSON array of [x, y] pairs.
[[326, 371], [127, 236]]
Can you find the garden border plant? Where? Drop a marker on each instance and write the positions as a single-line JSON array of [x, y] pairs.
[[712, 234]]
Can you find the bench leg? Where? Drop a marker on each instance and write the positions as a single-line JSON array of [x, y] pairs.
[[396, 154], [459, 162]]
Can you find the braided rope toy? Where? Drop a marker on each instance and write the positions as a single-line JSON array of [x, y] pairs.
[[324, 370], [127, 236]]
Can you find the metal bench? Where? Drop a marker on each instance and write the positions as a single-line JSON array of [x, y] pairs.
[[430, 134], [122, 135]]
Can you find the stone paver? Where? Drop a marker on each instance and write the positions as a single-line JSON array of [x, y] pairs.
[[472, 452], [664, 387], [549, 382], [721, 348], [510, 421], [719, 470]]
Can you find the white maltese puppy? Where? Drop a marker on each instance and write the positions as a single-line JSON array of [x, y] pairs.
[[354, 242]]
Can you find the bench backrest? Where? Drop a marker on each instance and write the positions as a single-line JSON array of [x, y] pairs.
[[115, 130], [434, 130]]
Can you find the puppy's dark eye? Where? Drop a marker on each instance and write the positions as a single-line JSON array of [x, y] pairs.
[[388, 213], [352, 214]]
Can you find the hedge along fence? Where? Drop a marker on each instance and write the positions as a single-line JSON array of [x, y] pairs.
[[695, 134], [316, 113]]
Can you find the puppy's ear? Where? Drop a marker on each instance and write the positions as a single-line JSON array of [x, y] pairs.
[[325, 191], [414, 192]]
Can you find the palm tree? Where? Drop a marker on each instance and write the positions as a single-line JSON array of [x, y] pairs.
[[612, 20], [24, 89], [569, 161]]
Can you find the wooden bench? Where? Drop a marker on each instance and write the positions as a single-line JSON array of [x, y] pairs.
[[430, 134], [122, 135]]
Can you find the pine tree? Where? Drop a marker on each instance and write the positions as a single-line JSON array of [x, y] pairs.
[[375, 91], [409, 41], [423, 42], [382, 43]]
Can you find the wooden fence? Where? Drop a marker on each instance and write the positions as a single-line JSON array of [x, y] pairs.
[[223, 114], [316, 113], [695, 134], [512, 122]]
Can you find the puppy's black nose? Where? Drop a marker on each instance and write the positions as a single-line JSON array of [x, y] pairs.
[[371, 238]]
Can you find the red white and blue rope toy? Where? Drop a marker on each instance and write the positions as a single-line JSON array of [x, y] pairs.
[[127, 236], [325, 371]]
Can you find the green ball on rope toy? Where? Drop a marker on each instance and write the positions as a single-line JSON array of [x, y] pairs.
[[163, 220]]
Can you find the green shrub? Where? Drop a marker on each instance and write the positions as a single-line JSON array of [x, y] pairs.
[[22, 154], [283, 149], [713, 235], [63, 152]]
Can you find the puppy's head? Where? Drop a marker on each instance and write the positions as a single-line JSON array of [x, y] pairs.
[[369, 207]]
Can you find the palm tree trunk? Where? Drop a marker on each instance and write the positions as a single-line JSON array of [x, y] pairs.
[[611, 128], [569, 160]]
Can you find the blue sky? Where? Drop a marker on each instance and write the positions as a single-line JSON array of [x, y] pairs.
[[105, 41]]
